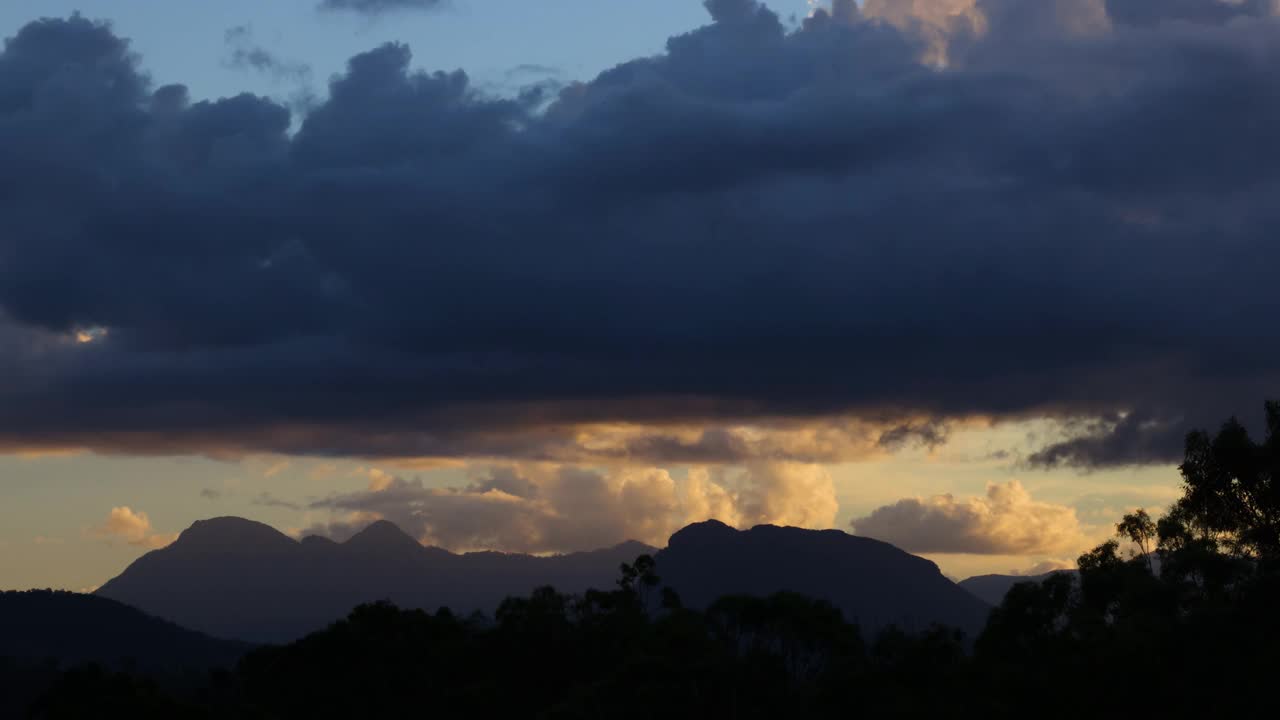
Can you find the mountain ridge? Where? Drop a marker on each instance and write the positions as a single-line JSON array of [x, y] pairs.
[[874, 583], [992, 588], [233, 577]]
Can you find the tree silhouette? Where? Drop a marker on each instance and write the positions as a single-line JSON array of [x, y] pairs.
[[1232, 488], [1139, 528], [639, 578]]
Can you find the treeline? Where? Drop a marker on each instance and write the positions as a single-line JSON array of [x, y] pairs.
[[1181, 622]]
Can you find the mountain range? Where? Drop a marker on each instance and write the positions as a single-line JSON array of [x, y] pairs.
[[231, 577], [992, 588]]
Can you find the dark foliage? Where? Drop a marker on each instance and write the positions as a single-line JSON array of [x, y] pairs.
[[1187, 623]]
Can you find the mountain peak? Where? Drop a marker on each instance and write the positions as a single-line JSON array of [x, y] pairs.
[[228, 532], [702, 533], [382, 534], [873, 583], [634, 546]]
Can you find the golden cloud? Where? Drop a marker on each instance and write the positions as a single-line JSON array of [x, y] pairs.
[[134, 527], [1006, 521]]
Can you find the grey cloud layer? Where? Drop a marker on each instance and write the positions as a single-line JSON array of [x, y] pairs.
[[1072, 218], [377, 7]]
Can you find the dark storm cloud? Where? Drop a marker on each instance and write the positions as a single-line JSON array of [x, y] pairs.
[[1147, 12], [1110, 440], [930, 434], [1072, 219], [377, 7]]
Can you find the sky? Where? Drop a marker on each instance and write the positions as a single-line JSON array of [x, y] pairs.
[[544, 277]]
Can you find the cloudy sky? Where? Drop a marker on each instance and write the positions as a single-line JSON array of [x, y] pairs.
[[957, 274]]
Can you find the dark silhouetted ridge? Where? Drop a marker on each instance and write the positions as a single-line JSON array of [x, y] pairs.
[[317, 541], [873, 583], [235, 578], [74, 628], [703, 534], [631, 547], [229, 533], [993, 588], [383, 535]]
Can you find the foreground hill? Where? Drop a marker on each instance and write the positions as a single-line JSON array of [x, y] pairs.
[[992, 588], [238, 578], [72, 628]]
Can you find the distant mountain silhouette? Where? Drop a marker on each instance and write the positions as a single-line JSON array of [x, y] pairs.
[[237, 578], [874, 583], [993, 588], [233, 577], [73, 628]]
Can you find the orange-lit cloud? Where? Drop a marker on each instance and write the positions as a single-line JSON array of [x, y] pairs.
[[134, 527], [39, 453], [85, 336], [544, 507], [540, 436], [275, 469], [1046, 566], [1006, 521]]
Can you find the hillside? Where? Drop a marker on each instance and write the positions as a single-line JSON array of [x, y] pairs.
[[72, 628]]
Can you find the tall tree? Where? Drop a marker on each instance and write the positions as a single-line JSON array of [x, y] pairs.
[[1232, 488], [1139, 528]]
